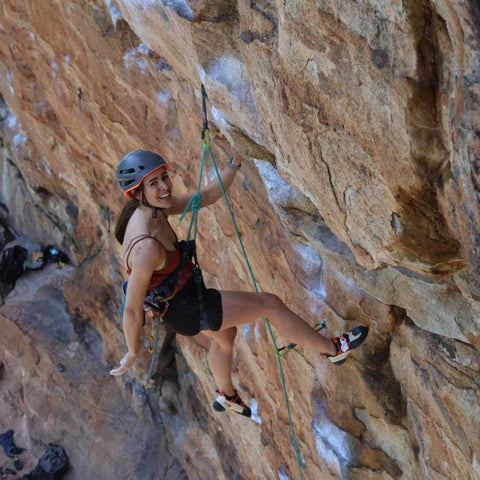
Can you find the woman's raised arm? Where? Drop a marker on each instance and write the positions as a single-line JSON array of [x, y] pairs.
[[213, 191]]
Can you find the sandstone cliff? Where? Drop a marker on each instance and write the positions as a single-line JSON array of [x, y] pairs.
[[358, 203]]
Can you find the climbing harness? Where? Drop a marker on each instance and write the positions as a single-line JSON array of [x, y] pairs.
[[157, 299], [194, 205]]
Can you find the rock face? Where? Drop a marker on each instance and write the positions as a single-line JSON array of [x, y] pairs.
[[358, 203]]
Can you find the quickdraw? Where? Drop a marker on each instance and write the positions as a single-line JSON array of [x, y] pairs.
[[154, 329]]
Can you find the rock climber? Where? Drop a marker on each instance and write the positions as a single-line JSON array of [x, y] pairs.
[[151, 253]]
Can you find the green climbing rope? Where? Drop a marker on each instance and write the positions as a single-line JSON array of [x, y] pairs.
[[194, 205]]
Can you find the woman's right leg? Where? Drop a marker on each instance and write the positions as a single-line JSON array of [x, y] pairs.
[[244, 307], [220, 358], [220, 361]]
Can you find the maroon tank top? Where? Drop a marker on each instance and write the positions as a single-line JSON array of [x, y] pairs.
[[158, 276]]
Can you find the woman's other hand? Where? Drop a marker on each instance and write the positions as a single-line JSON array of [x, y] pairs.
[[126, 364]]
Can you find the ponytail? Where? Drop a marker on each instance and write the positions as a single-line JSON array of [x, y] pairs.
[[122, 221]]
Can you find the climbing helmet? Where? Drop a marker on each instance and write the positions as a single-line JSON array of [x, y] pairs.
[[135, 166]]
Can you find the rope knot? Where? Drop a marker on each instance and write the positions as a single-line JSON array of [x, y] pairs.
[[196, 202]]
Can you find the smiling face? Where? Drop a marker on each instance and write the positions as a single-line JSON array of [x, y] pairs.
[[157, 189]]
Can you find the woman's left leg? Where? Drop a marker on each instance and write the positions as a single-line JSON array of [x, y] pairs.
[[244, 307]]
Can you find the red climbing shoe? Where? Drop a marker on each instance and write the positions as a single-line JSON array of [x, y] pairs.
[[233, 402], [346, 342]]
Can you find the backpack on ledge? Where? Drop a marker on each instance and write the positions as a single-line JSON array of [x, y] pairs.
[[12, 264]]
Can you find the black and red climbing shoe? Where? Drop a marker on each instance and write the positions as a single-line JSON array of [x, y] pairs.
[[347, 342], [233, 402]]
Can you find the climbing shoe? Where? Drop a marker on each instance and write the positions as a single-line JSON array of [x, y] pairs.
[[346, 342], [234, 403]]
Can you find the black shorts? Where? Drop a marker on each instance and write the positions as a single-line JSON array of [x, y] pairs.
[[184, 313]]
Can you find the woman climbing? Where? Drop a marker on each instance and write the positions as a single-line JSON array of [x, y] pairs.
[[151, 254]]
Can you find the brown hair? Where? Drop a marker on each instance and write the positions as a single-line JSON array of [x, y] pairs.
[[123, 219]]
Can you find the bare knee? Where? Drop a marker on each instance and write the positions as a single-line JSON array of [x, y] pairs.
[[224, 338], [273, 304], [230, 334]]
